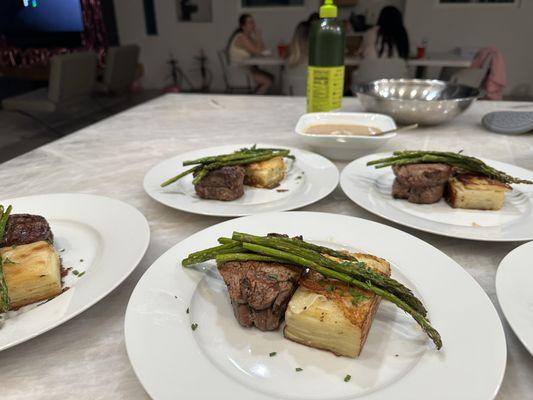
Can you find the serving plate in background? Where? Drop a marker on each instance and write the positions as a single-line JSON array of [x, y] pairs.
[[371, 189], [345, 147], [104, 239], [310, 178], [514, 283], [220, 359]]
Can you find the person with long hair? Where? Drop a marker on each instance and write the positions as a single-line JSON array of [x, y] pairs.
[[245, 42], [295, 75], [388, 39], [299, 46]]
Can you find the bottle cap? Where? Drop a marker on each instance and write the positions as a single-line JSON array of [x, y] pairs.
[[328, 10]]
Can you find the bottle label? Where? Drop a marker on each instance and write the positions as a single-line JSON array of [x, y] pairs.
[[325, 86]]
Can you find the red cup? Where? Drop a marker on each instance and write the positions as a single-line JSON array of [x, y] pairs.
[[283, 50], [420, 52]]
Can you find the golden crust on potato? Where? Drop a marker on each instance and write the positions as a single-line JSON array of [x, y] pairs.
[[32, 273], [330, 315], [265, 174], [476, 192]]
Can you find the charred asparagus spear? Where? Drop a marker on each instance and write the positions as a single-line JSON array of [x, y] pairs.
[[4, 295], [283, 250], [240, 157], [353, 268], [329, 273], [465, 163]]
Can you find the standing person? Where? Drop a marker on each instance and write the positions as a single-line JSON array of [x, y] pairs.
[[245, 42], [388, 39]]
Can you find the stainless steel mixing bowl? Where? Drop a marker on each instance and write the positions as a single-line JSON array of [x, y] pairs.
[[421, 101]]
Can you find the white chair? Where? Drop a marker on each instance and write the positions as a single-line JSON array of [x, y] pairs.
[[294, 82], [371, 69], [236, 77], [465, 76], [72, 80], [120, 70]]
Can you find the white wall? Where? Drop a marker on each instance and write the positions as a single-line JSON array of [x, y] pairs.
[[185, 39], [371, 9], [507, 27]]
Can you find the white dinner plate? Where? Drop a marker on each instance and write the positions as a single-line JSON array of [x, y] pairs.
[[222, 360], [310, 178], [514, 283], [101, 239], [371, 189]]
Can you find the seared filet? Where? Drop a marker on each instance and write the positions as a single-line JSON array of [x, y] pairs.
[[260, 291], [226, 184]]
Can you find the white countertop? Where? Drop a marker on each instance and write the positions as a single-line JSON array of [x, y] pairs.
[[86, 357]]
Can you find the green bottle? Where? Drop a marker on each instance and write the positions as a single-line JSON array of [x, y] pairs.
[[325, 73]]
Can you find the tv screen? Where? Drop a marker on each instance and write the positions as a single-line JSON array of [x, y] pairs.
[[35, 16]]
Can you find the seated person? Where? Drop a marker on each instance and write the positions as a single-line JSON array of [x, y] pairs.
[[246, 42], [299, 46], [388, 39]]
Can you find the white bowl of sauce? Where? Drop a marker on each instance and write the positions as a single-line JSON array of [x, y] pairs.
[[344, 136]]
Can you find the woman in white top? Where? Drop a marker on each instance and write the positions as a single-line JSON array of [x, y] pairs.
[[388, 39], [246, 42]]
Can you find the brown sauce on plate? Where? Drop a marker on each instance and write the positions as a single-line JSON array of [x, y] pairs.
[[341, 129]]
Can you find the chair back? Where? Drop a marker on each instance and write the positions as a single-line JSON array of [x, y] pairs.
[[470, 76], [295, 80], [72, 76], [371, 69], [223, 59], [235, 76], [121, 67]]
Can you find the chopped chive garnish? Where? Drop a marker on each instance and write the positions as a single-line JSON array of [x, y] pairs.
[[81, 259], [81, 274], [76, 272], [194, 326], [8, 261], [272, 354], [187, 311], [347, 378], [329, 288], [298, 369]]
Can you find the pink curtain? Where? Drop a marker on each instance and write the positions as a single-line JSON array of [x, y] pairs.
[[93, 38]]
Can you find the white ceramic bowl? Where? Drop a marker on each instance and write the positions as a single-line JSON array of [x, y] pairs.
[[345, 147]]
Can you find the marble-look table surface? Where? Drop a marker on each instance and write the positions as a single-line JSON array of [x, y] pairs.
[[86, 357]]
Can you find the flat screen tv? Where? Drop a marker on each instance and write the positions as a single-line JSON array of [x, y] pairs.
[[41, 23]]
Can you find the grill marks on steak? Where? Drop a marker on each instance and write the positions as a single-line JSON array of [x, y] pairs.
[[420, 183], [25, 228], [260, 291], [226, 184]]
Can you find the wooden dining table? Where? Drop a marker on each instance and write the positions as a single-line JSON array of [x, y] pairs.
[[86, 357]]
